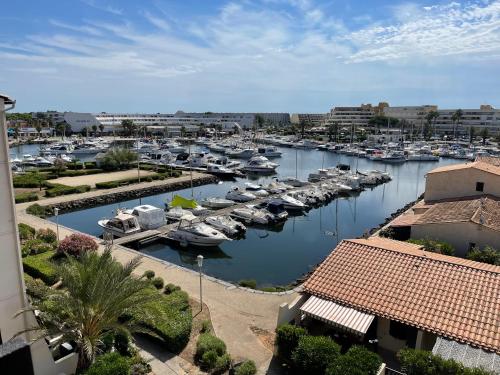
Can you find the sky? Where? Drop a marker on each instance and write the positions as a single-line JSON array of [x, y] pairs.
[[248, 55]]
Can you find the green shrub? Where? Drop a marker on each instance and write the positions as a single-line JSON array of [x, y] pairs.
[[287, 338], [35, 246], [46, 235], [246, 368], [106, 343], [118, 159], [252, 284], [208, 342], [158, 282], [222, 364], [81, 172], [434, 246], [127, 181], [35, 288], [357, 361], [30, 180], [26, 197], [421, 362], [122, 342], [149, 274], [487, 255], [314, 354], [174, 325], [40, 267], [208, 360], [55, 190], [170, 288], [26, 232], [109, 364], [40, 211], [205, 326]]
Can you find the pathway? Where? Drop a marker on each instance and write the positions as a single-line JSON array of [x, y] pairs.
[[100, 177]]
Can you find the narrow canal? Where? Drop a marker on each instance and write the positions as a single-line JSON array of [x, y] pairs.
[[278, 257]]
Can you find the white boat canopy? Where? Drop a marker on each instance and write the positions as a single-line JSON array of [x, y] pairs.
[[343, 317]]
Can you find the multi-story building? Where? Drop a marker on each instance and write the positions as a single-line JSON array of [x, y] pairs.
[[486, 117], [413, 115], [315, 119], [352, 116]]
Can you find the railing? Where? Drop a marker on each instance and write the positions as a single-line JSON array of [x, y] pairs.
[[390, 371]]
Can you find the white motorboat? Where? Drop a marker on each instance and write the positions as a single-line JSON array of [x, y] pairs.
[[121, 225], [222, 171], [295, 182], [256, 190], [176, 213], [56, 149], [241, 153], [251, 215], [193, 232], [187, 204], [237, 195], [393, 157], [260, 164], [305, 145], [173, 147], [269, 152], [276, 211], [226, 224], [289, 203], [149, 217], [161, 157], [422, 155], [217, 203], [276, 187]]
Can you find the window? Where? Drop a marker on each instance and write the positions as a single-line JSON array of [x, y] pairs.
[[479, 186]]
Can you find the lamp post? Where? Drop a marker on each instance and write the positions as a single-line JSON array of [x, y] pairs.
[[199, 259], [56, 213]]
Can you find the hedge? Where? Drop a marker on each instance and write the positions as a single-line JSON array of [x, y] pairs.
[[35, 288], [128, 181], [56, 190], [40, 211], [35, 246], [211, 354], [40, 267], [26, 197], [110, 364], [421, 362], [26, 232], [246, 368], [314, 354], [174, 326], [434, 246], [287, 338], [80, 172], [29, 180], [357, 361]]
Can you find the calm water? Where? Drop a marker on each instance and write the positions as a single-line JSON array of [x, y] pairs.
[[19, 151], [280, 257]]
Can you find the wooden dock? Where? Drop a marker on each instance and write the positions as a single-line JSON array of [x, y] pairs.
[[141, 236]]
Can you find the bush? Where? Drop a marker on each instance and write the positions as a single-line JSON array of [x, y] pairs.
[[40, 267], [421, 362], [158, 282], [118, 159], [174, 325], [109, 364], [26, 197], [47, 235], [82, 172], [208, 360], [106, 343], [56, 190], [211, 353], [76, 244], [222, 364], [170, 288], [40, 211], [357, 361], [314, 354], [246, 368], [26, 232], [149, 274], [205, 326], [35, 288], [30, 180], [35, 246], [128, 181], [252, 284], [287, 338], [208, 342], [122, 342], [434, 246], [487, 255]]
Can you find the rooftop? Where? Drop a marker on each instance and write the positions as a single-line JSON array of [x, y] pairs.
[[489, 167], [451, 297]]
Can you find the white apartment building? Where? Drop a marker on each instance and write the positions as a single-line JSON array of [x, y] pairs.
[[352, 116], [486, 117], [413, 115], [315, 119]]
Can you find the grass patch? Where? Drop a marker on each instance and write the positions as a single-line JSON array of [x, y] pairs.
[[170, 319], [40, 266], [55, 190], [26, 197], [252, 284]]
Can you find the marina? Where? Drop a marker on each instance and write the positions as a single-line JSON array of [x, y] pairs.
[[280, 254]]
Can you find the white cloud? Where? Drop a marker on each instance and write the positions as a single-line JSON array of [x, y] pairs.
[[104, 8], [82, 29], [160, 23]]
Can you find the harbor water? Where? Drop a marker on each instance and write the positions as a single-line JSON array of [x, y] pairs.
[[278, 256]]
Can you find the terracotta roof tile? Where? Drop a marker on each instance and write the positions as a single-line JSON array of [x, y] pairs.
[[452, 297], [493, 160], [484, 211], [481, 165]]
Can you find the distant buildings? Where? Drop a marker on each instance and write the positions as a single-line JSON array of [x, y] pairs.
[[314, 119]]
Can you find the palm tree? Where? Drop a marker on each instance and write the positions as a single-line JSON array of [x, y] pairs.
[[456, 118], [38, 127], [94, 129], [430, 123], [101, 128], [97, 293]]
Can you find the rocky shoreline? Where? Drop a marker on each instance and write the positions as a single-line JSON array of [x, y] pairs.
[[79, 204]]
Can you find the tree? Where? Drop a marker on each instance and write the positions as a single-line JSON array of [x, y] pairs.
[[128, 127], [118, 158], [472, 134], [333, 131], [84, 131], [38, 126], [430, 121], [94, 129], [59, 166], [484, 135], [97, 293], [101, 128], [183, 131], [456, 118]]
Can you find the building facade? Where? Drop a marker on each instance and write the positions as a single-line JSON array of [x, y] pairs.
[[486, 117], [315, 119]]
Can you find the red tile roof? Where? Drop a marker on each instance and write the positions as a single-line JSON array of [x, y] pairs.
[[484, 211], [480, 165], [449, 296], [493, 160]]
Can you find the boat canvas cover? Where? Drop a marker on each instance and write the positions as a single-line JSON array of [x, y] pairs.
[[182, 202], [343, 317]]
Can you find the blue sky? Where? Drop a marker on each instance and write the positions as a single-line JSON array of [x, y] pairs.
[[248, 55]]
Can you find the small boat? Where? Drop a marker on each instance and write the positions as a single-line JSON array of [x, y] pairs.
[[239, 153], [393, 157], [226, 225], [121, 225], [289, 203], [275, 210], [176, 213], [173, 147], [251, 215], [295, 182], [217, 203], [222, 171], [149, 217], [269, 152], [187, 204], [237, 195], [260, 164], [193, 232], [256, 190]]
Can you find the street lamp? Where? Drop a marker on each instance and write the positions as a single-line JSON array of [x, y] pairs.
[[199, 259], [56, 213]]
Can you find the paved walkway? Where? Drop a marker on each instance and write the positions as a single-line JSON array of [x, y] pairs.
[[233, 310], [99, 177]]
